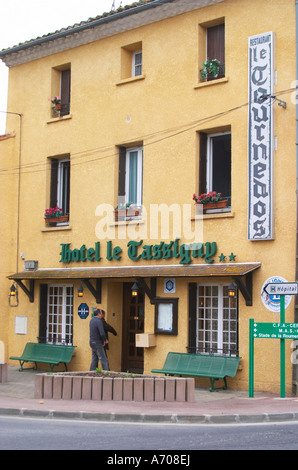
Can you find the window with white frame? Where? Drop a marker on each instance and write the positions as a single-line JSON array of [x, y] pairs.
[[215, 164], [60, 184], [137, 59], [63, 184], [130, 189], [216, 320], [134, 176], [60, 314]]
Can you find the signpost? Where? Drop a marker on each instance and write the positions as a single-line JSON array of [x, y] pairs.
[[281, 331], [275, 330], [282, 288]]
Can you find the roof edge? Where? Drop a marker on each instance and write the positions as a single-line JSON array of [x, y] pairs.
[[193, 270], [83, 26]]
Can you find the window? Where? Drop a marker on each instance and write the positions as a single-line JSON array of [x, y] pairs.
[[130, 188], [60, 314], [136, 64], [60, 184], [56, 314], [213, 320], [215, 164], [61, 86], [131, 61], [212, 46]]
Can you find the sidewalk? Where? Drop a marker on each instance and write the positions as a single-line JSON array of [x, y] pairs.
[[221, 407]]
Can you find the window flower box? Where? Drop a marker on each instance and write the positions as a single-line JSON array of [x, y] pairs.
[[211, 200], [57, 106], [56, 220], [212, 69], [132, 212], [55, 215], [216, 205], [123, 211], [119, 214]]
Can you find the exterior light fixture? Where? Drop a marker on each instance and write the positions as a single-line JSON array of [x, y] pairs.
[[13, 294], [80, 290], [232, 290], [134, 289], [13, 291]]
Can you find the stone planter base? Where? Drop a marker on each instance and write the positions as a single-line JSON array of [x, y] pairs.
[[72, 386], [3, 373]]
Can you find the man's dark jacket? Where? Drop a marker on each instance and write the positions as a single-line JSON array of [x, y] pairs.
[[97, 332]]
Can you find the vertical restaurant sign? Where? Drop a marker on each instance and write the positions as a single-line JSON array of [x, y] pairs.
[[261, 137]]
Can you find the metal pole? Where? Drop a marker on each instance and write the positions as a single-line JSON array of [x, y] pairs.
[[251, 359], [282, 351]]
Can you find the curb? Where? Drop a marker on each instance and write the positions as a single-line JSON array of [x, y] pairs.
[[146, 419]]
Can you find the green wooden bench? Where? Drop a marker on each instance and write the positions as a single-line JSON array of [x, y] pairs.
[[52, 354], [200, 365]]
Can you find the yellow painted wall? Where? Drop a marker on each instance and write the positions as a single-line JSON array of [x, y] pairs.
[[165, 110]]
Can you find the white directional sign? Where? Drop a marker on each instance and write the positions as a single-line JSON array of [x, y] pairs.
[[272, 301], [282, 288]]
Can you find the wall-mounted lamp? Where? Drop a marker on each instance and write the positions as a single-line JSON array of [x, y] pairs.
[[134, 289], [80, 290], [13, 294], [232, 290]]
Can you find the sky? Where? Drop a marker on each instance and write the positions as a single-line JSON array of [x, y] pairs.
[[22, 20]]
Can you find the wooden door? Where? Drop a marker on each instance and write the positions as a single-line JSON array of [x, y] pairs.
[[133, 323]]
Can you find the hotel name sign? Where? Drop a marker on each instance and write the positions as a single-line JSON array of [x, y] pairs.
[[137, 250], [261, 137]]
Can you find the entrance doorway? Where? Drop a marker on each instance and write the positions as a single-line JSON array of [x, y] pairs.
[[133, 323]]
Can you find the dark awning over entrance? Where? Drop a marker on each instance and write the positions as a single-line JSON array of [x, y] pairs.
[[194, 270], [241, 273]]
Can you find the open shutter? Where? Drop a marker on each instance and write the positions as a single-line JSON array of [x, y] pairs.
[[203, 163], [216, 47], [65, 92], [192, 315], [54, 182], [43, 308], [122, 165], [216, 43]]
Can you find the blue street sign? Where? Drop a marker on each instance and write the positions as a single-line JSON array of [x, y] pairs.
[[83, 311]]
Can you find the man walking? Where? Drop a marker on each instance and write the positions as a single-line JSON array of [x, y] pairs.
[[98, 340]]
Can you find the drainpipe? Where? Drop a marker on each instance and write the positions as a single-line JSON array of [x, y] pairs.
[[295, 366]]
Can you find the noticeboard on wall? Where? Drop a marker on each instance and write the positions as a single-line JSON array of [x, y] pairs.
[[166, 316]]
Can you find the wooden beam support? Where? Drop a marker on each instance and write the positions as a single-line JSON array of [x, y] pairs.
[[149, 291], [96, 292], [29, 292], [245, 288]]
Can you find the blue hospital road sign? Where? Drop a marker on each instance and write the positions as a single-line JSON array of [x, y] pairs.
[[281, 288]]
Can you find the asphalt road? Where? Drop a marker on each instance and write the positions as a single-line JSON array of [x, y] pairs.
[[20, 433]]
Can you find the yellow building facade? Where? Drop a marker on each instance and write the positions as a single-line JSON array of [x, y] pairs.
[[141, 124]]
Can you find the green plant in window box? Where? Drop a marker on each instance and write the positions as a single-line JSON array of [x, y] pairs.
[[55, 215], [126, 210], [210, 67], [56, 100], [211, 200], [57, 106]]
